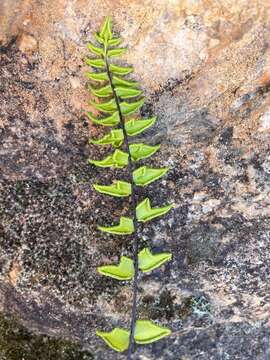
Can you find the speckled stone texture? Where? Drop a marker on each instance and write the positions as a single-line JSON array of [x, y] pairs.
[[205, 67]]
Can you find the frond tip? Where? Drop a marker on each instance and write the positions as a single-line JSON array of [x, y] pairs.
[[106, 31]]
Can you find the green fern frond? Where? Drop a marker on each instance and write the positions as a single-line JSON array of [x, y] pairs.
[[119, 97]]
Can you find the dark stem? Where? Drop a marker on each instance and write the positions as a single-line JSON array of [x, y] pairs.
[[133, 205]]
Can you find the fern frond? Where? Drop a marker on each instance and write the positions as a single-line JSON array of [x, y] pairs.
[[125, 99]]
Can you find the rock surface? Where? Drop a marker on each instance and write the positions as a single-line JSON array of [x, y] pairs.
[[205, 66]]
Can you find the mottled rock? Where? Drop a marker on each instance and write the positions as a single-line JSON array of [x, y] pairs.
[[205, 69], [265, 121], [27, 43]]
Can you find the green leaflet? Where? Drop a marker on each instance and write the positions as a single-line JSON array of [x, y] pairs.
[[123, 271], [117, 339], [118, 189], [120, 70], [102, 92], [114, 138], [145, 175], [102, 76], [109, 106], [94, 49], [111, 42], [118, 159], [142, 151], [144, 212], [116, 52], [114, 41], [135, 127], [149, 261], [126, 93], [111, 120], [99, 38], [96, 63], [147, 332], [122, 82], [130, 108], [125, 227], [106, 31]]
